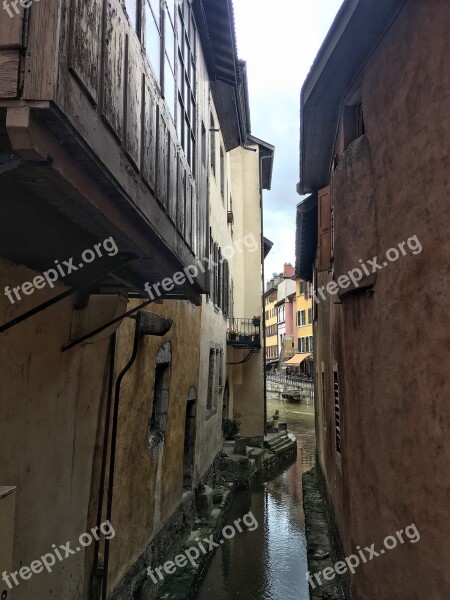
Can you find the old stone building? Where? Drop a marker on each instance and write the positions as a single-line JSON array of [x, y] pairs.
[[372, 237], [130, 238]]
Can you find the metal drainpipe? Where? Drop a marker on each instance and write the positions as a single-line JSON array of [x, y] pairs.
[[112, 459], [95, 570]]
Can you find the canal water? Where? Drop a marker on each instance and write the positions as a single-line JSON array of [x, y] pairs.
[[268, 563]]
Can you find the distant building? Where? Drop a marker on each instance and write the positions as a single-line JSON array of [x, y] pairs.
[[303, 359], [271, 323], [372, 237]]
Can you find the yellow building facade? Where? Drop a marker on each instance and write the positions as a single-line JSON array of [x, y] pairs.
[[271, 330], [304, 323]]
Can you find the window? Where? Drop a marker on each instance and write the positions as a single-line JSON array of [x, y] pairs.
[[307, 344], [309, 316], [204, 148], [311, 343], [171, 48], [222, 173], [215, 379], [132, 12], [187, 100], [301, 318], [302, 344], [337, 411], [152, 41], [324, 401], [169, 88], [212, 141], [220, 286], [210, 398], [324, 211], [302, 287], [160, 399], [353, 122]]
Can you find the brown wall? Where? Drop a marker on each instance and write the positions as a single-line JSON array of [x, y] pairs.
[[392, 347]]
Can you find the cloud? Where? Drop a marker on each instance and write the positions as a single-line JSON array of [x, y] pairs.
[[279, 40]]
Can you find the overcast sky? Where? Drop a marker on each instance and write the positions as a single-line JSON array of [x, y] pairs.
[[279, 40]]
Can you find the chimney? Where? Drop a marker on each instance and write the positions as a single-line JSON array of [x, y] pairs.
[[288, 271]]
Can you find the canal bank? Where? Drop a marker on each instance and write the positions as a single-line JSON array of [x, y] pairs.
[[270, 562]]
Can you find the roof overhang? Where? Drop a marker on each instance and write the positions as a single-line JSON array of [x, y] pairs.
[[266, 154], [228, 75], [267, 246], [354, 34], [306, 238]]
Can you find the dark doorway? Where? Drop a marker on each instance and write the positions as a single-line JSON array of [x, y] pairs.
[[189, 441]]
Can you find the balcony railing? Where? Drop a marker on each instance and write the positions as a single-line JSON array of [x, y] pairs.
[[244, 333]]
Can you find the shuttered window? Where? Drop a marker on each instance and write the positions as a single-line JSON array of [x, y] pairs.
[[324, 201], [337, 411]]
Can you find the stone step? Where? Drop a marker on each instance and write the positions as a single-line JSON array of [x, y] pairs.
[[277, 440]]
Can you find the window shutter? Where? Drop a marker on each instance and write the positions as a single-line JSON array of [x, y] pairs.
[[226, 288], [324, 229]]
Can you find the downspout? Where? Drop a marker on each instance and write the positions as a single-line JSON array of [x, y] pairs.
[[112, 459], [146, 324], [96, 571]]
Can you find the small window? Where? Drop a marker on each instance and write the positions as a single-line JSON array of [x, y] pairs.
[[209, 401], [204, 149], [160, 399], [222, 173], [131, 7], [153, 37], [212, 136], [309, 316]]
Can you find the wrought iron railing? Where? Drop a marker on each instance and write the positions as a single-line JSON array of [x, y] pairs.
[[244, 333], [292, 380]]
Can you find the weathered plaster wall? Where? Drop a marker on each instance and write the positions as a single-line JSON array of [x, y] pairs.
[[209, 426], [49, 407], [213, 322], [392, 346], [248, 394], [149, 484]]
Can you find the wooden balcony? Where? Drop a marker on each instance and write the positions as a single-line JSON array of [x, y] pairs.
[[86, 136]]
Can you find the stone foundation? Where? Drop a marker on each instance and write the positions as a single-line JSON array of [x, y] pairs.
[[321, 551]]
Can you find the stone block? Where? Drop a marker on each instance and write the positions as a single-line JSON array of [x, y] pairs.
[[204, 501], [240, 447]]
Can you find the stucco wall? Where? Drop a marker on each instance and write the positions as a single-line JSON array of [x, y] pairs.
[[149, 484], [49, 407], [392, 346], [248, 393]]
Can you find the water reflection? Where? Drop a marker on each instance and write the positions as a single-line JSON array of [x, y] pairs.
[[270, 562]]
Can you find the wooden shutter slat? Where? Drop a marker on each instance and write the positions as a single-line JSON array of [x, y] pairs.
[[324, 202]]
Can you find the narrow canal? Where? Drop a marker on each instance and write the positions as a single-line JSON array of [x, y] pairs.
[[268, 563]]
